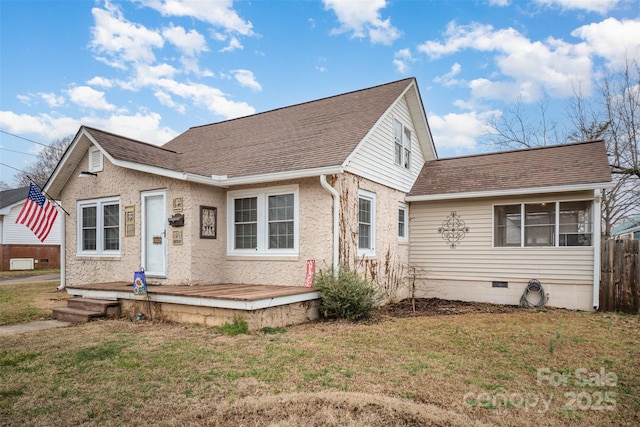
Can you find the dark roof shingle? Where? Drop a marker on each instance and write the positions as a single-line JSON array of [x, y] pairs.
[[550, 166], [9, 197], [314, 134], [131, 150]]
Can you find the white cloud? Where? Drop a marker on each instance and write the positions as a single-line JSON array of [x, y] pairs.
[[611, 39], [234, 44], [43, 125], [599, 6], [190, 43], [100, 81], [208, 97], [460, 132], [218, 13], [144, 127], [25, 99], [122, 41], [363, 19], [499, 3], [449, 79], [52, 99], [533, 67], [166, 100], [402, 59], [85, 96], [247, 79]]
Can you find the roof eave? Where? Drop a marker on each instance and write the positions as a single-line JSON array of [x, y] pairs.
[[223, 181], [510, 192], [283, 176]]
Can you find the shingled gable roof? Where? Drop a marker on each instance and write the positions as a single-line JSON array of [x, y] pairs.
[[534, 170], [313, 135], [10, 197], [121, 148]]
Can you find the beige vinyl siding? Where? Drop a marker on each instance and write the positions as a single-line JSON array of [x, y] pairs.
[[374, 158], [475, 258]]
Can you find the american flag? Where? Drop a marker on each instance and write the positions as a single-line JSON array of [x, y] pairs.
[[37, 213]]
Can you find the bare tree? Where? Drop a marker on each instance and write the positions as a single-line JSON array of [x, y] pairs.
[[621, 97], [614, 115], [611, 114], [40, 170], [516, 129]]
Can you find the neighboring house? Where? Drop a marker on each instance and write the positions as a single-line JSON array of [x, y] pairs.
[[20, 249], [250, 200], [629, 229]]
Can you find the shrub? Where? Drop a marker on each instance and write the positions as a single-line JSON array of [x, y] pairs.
[[239, 326], [346, 297]]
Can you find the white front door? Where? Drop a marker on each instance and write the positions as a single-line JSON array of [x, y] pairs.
[[154, 233]]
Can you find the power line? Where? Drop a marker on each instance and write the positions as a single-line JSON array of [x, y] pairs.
[[19, 152], [22, 137], [11, 167]]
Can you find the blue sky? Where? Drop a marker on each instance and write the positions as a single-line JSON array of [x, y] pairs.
[[150, 69]]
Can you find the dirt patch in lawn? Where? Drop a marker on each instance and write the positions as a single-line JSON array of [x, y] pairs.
[[438, 307]]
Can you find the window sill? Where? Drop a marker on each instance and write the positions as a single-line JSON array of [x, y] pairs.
[[265, 257], [102, 257]]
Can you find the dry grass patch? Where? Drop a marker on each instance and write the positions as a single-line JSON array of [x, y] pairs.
[[444, 369], [29, 301]]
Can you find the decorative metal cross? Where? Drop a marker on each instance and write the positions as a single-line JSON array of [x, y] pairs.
[[453, 229]]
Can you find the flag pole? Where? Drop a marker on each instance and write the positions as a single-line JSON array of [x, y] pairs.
[[47, 194]]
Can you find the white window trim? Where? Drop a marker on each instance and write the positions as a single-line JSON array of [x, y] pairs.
[[367, 252], [262, 195], [556, 236], [405, 208], [96, 162], [98, 203]]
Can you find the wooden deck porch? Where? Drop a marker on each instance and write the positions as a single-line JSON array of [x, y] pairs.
[[259, 305]]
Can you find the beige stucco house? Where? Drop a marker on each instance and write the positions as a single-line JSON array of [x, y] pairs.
[[350, 179]]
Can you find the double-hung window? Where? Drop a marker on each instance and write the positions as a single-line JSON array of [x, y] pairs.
[[403, 223], [366, 223], [543, 224], [401, 144], [264, 221], [99, 227]]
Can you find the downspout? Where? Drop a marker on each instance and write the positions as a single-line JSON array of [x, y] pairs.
[[597, 232], [336, 222], [63, 251]]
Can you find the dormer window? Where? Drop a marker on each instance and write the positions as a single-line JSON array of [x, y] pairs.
[[95, 159], [402, 144]]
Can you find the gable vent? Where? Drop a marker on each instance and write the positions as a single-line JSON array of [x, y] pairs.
[[95, 160]]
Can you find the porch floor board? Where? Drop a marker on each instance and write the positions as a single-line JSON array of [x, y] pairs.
[[226, 291]]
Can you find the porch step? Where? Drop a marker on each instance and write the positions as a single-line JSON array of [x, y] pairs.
[[75, 315], [81, 310]]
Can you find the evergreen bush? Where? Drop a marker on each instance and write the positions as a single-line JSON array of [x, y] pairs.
[[346, 297]]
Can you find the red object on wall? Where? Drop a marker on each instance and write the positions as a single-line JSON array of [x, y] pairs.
[[311, 271]]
